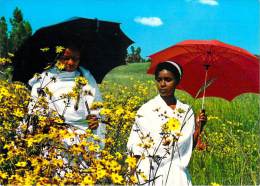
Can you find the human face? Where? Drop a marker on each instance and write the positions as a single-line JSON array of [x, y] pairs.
[[166, 83], [70, 59]]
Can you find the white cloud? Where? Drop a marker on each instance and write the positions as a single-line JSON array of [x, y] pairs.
[[209, 2], [149, 21]]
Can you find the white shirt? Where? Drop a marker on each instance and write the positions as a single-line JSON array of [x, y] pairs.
[[149, 121], [63, 84]]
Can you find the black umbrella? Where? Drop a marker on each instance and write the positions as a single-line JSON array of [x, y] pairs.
[[102, 44]]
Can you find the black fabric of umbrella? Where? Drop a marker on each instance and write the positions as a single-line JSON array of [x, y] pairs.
[[102, 45]]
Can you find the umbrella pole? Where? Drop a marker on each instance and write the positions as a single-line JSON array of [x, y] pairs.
[[204, 89]]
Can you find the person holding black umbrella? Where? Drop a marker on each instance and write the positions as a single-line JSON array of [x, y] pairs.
[[59, 84]]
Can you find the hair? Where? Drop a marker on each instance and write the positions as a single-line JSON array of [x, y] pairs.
[[171, 66]]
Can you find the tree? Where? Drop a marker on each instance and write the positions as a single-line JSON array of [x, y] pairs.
[[134, 56], [3, 38], [21, 30]]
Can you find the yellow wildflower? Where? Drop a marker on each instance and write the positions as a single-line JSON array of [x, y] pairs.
[[58, 120], [143, 176], [113, 166], [214, 184], [4, 61], [81, 80], [101, 173], [48, 92], [46, 49], [171, 125], [118, 155], [88, 180], [21, 164], [10, 54], [60, 65], [59, 49], [133, 179], [116, 178], [3, 175], [18, 113], [131, 161]]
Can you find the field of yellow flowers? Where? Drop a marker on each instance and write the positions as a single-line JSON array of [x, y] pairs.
[[231, 137], [32, 149]]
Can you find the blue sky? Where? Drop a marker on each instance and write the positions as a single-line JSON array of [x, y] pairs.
[[153, 24]]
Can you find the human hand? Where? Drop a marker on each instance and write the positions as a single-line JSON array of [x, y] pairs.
[[92, 120], [201, 119]]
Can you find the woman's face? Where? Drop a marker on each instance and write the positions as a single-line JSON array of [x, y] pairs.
[[70, 59], [166, 83]]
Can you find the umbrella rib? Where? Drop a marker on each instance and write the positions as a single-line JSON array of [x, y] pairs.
[[195, 54]]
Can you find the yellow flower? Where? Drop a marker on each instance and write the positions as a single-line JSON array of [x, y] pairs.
[[116, 178], [30, 141], [19, 113], [10, 54], [143, 176], [147, 141], [113, 166], [96, 105], [81, 80], [8, 146], [88, 180], [213, 118], [60, 65], [101, 174], [214, 184], [57, 162], [3, 175], [104, 111], [66, 134], [118, 155], [21, 164], [37, 76], [59, 49], [133, 179], [4, 61], [58, 120], [48, 92], [93, 148], [172, 125], [46, 49], [131, 161], [119, 110]]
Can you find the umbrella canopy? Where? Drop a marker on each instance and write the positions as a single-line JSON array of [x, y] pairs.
[[231, 69], [102, 45]]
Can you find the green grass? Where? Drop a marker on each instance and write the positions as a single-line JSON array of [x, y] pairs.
[[245, 106], [232, 156], [123, 73]]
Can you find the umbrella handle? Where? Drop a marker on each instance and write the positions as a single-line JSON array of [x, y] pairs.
[[204, 90]]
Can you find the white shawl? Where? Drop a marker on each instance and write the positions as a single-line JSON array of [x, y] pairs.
[[149, 120]]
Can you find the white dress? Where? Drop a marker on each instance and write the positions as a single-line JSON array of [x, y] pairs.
[[172, 169], [64, 82]]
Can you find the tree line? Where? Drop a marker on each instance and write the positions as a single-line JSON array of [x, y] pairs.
[[134, 56], [11, 40]]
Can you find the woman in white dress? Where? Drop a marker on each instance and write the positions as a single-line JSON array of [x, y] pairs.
[[75, 112], [163, 135]]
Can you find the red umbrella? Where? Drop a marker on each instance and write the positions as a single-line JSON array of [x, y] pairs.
[[231, 69]]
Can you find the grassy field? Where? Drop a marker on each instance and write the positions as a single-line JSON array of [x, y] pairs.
[[232, 132], [231, 155]]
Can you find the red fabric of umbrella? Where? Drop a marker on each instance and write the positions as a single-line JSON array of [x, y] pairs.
[[233, 70]]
